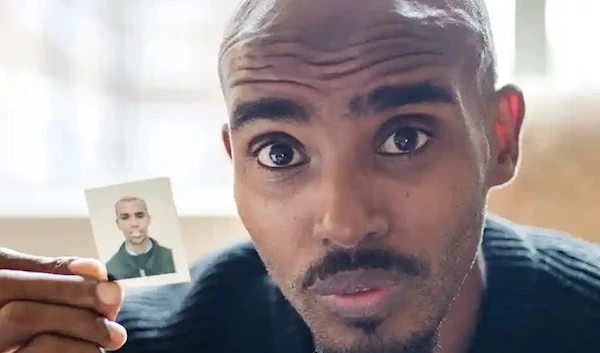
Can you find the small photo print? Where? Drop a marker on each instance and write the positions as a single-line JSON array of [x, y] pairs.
[[137, 233]]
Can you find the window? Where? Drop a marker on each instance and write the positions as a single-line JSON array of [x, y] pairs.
[[502, 17], [175, 110], [25, 105], [98, 92], [572, 29]]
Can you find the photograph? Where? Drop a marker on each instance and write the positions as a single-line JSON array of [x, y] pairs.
[[137, 233]]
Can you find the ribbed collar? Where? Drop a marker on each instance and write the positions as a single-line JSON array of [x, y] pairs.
[[506, 310]]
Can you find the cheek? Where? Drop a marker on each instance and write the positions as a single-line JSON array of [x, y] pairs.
[[442, 213], [277, 227], [441, 224]]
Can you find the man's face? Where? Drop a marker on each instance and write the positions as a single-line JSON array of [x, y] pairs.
[[362, 159], [133, 220]]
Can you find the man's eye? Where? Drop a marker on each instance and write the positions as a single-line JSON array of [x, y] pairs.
[[279, 155], [404, 141]]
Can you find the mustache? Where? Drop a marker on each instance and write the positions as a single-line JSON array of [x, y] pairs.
[[364, 259]]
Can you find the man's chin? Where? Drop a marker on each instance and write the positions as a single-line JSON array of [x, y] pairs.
[[138, 240], [372, 337], [373, 344]]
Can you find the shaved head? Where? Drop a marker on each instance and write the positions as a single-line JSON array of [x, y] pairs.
[[133, 219], [141, 202], [365, 136], [253, 18]]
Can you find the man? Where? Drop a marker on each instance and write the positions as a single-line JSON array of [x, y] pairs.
[[365, 137], [139, 255]]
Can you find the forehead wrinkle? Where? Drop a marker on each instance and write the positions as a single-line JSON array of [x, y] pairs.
[[386, 43], [259, 19], [473, 16], [249, 18], [256, 18]]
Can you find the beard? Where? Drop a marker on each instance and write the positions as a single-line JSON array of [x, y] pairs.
[[377, 336], [437, 293], [422, 342], [373, 340]]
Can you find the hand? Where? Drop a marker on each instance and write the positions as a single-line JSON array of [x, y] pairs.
[[50, 305]]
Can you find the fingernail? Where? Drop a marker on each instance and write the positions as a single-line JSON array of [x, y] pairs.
[[87, 267], [117, 332], [109, 293]]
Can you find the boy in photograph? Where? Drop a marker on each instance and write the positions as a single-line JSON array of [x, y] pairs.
[[140, 255]]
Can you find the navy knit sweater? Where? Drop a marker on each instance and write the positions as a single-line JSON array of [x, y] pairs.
[[543, 296]]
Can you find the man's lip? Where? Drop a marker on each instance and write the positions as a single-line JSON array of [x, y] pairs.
[[351, 282], [368, 305], [360, 295]]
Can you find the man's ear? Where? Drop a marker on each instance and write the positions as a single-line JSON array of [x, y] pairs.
[[506, 113], [226, 137]]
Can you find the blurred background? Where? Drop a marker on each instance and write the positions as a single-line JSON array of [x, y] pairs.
[[95, 92]]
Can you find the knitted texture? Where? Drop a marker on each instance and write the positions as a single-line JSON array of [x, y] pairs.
[[542, 295]]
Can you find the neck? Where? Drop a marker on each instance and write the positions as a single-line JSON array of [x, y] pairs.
[[459, 329], [139, 249]]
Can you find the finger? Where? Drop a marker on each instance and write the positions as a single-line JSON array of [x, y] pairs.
[[75, 291], [57, 344], [20, 321], [111, 292], [88, 268], [14, 260]]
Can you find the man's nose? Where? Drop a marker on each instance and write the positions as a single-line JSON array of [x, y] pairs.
[[349, 213]]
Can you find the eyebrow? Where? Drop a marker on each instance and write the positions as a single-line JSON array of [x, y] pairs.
[[385, 98], [268, 109], [380, 99]]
